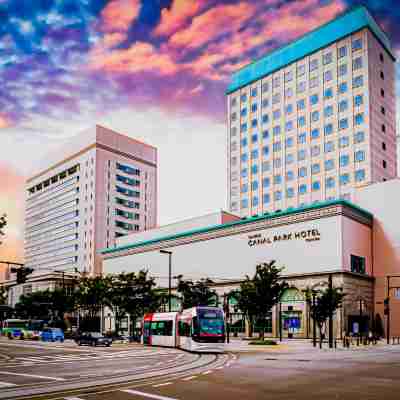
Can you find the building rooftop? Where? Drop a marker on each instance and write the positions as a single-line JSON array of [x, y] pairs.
[[241, 221], [353, 20]]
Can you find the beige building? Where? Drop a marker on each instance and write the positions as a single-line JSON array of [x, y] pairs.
[[313, 120], [100, 186]]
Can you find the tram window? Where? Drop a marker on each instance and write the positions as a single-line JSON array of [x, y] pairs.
[[161, 328], [184, 328]]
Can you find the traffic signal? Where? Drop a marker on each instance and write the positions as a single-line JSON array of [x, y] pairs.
[[22, 273]]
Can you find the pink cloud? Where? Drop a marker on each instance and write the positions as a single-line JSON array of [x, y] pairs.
[[4, 122], [119, 14]]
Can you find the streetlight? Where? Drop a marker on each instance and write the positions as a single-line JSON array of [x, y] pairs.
[[169, 276]]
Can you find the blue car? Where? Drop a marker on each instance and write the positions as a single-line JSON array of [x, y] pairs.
[[52, 335]]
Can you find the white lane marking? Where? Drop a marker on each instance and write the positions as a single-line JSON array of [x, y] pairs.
[[219, 367], [206, 373], [149, 395], [189, 378], [51, 378], [72, 398], [6, 384], [163, 384]]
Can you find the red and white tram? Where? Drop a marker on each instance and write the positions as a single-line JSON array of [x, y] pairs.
[[198, 329]]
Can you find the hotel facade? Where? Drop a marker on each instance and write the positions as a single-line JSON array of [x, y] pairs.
[[313, 120], [100, 186], [312, 184]]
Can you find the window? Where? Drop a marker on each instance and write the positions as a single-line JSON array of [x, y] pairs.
[[382, 75], [301, 87], [316, 185], [381, 57], [342, 52], [382, 93], [276, 98], [244, 188], [254, 138], [265, 134], [343, 106], [265, 150], [315, 116], [301, 121], [359, 137], [302, 172], [254, 169], [328, 76], [315, 151], [302, 138], [358, 119], [276, 114], [288, 93], [254, 92], [276, 130], [243, 127], [277, 179], [301, 104], [254, 154], [315, 133], [383, 111], [243, 97], [329, 146], [383, 146], [315, 169], [328, 129], [303, 189], [276, 82], [289, 109], [342, 69], [329, 165], [233, 101], [384, 165], [357, 63], [265, 103], [358, 81], [289, 158], [314, 82], [344, 160], [266, 166], [301, 70], [244, 203], [344, 179], [344, 141], [265, 87], [328, 93], [359, 155], [243, 142], [244, 157], [254, 185], [356, 45], [277, 146], [266, 182], [277, 163], [289, 126], [330, 183], [301, 155], [327, 58], [278, 195], [359, 175], [342, 87], [233, 117], [266, 198], [243, 173], [289, 175], [357, 264], [383, 128], [289, 193], [358, 100], [243, 112], [314, 99], [233, 131], [313, 65], [343, 123], [254, 107], [328, 111], [254, 123], [289, 142]]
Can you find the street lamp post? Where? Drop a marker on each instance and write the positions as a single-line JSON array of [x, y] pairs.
[[314, 324], [169, 276], [330, 333]]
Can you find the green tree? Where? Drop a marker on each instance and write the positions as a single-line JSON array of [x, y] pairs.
[[3, 223], [326, 304], [196, 293], [256, 296]]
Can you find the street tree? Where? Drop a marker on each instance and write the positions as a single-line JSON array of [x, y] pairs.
[[3, 223], [196, 293], [257, 295], [326, 304]]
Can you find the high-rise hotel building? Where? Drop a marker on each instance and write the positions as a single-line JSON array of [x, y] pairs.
[[313, 120], [100, 186]]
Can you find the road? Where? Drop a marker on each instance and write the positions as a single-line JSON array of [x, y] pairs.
[[132, 372]]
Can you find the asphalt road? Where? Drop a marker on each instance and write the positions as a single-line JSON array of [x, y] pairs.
[[133, 372]]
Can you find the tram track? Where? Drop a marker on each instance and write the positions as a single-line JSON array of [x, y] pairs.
[[115, 382]]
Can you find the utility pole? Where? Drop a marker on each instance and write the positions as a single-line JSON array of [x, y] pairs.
[[330, 333], [314, 324], [169, 276], [387, 309], [280, 321]]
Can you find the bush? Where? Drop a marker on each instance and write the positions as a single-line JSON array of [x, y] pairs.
[[263, 342]]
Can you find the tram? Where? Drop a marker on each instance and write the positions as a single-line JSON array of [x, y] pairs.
[[197, 329]]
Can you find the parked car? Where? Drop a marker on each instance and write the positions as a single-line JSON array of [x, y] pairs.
[[52, 335], [93, 339]]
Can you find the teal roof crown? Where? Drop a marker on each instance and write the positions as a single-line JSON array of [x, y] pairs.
[[344, 25]]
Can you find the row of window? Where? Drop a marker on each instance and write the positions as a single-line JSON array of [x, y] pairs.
[[330, 183], [127, 203], [127, 169], [127, 192], [127, 181], [126, 214], [127, 226]]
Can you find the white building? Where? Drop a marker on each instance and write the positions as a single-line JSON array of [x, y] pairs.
[[100, 186], [313, 120]]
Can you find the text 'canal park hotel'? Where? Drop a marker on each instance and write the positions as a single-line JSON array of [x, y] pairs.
[[312, 183]]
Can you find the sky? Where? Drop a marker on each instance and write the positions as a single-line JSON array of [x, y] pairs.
[[155, 70]]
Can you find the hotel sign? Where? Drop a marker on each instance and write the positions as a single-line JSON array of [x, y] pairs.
[[310, 235]]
